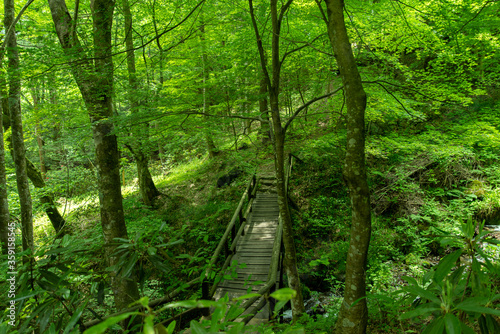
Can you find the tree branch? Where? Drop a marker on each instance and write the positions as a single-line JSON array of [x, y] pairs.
[[11, 30], [259, 45], [297, 49], [296, 113], [395, 98]]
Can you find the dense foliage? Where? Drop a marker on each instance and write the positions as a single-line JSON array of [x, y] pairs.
[[431, 73]]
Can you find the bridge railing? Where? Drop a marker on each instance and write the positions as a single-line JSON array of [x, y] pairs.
[[235, 229], [276, 268]]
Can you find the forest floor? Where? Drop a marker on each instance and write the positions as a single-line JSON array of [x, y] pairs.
[[424, 185]]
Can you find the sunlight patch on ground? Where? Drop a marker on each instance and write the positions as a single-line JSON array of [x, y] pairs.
[[180, 173], [67, 208]]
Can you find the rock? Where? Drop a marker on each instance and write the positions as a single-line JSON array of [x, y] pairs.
[[226, 180]]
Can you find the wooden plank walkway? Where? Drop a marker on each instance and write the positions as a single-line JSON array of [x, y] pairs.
[[254, 249]]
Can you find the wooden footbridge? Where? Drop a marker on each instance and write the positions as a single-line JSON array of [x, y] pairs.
[[252, 250], [248, 258]]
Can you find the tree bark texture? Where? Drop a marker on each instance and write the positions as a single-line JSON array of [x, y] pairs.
[[147, 188], [352, 318], [273, 86], [4, 204], [19, 151], [264, 130], [95, 81]]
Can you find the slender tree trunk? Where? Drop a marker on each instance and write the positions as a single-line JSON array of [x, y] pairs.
[[41, 151], [38, 181], [352, 318], [47, 201], [4, 204], [273, 86], [211, 147], [264, 130], [147, 187], [17, 130], [96, 85], [35, 94]]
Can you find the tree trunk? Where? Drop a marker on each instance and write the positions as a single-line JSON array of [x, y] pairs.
[[147, 188], [37, 97], [273, 86], [211, 147], [96, 85], [4, 204], [264, 130], [51, 210], [38, 181], [352, 319], [17, 130]]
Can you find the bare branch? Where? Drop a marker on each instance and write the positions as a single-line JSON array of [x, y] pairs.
[[297, 112], [395, 98], [298, 48]]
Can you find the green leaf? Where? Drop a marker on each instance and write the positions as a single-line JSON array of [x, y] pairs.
[[74, 319], [466, 329], [291, 330], [152, 250], [247, 296], [103, 326], [452, 324], [410, 280], [197, 328], [127, 270], [52, 278], [171, 327], [237, 328], [57, 250], [148, 325], [284, 294], [492, 241], [445, 265], [436, 326], [416, 290], [476, 304], [28, 294], [233, 312], [424, 309]]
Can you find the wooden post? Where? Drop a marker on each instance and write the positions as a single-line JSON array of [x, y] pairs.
[[205, 288], [280, 284], [226, 248], [233, 232]]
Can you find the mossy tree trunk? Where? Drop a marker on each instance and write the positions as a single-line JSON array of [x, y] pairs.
[[4, 204], [352, 318], [95, 81], [14, 110], [273, 87], [140, 132]]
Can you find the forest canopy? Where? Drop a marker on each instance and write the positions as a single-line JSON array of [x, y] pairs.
[[129, 131]]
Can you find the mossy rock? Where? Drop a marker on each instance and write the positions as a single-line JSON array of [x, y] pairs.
[[477, 188]]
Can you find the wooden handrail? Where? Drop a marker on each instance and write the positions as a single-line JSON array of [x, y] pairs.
[[249, 193], [223, 243], [234, 242], [276, 259], [271, 277]]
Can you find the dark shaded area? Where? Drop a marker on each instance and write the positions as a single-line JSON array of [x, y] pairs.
[[226, 180]]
